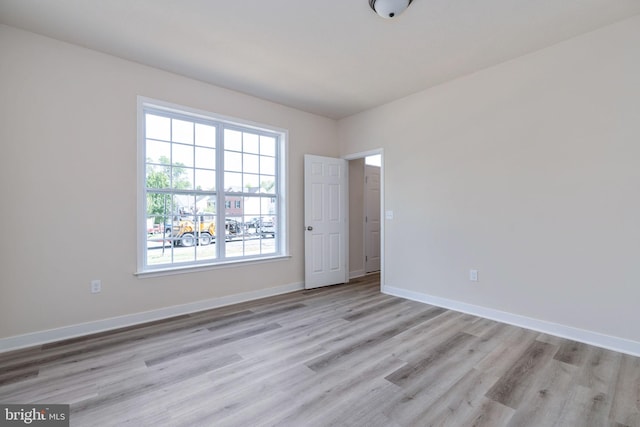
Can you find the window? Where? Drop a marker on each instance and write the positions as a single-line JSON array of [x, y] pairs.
[[190, 164]]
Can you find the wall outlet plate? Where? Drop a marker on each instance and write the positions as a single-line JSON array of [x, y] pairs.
[[96, 286]]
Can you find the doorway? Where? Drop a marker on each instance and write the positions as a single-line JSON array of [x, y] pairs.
[[372, 214], [365, 213]]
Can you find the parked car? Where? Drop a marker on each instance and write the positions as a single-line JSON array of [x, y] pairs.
[[267, 228], [233, 228], [264, 226], [254, 224], [152, 227]]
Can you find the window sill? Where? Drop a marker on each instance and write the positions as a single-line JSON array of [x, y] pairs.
[[170, 271]]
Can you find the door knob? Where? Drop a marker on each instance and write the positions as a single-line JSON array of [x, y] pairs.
[[309, 228]]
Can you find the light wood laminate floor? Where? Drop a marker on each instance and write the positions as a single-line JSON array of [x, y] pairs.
[[344, 355]]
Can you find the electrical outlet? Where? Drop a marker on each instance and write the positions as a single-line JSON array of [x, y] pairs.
[[473, 275], [96, 286]]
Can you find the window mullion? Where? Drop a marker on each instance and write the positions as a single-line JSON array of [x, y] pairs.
[[220, 195]]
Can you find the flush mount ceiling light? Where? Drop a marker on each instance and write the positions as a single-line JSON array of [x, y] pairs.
[[389, 8]]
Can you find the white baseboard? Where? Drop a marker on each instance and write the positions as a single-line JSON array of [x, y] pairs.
[[597, 339], [73, 331], [356, 273]]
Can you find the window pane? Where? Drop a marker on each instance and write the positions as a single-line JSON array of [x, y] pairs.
[[231, 208], [251, 143], [157, 254], [234, 248], [252, 245], [259, 230], [207, 204], [232, 161], [268, 183], [158, 152], [205, 135], [166, 225], [268, 165], [251, 183], [268, 146], [205, 180], [158, 250], [157, 127], [268, 246], [232, 182], [185, 229], [205, 158], [182, 131], [158, 207], [157, 177], [234, 231], [182, 155], [182, 178], [267, 205], [232, 140], [185, 253], [185, 205], [204, 231], [251, 163], [251, 208], [205, 252], [234, 226]]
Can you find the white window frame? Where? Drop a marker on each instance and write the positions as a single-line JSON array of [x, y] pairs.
[[222, 122]]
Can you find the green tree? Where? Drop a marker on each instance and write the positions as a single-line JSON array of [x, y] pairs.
[[164, 176], [268, 185], [177, 172], [157, 202]]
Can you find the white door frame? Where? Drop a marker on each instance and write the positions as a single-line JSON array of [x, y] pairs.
[[361, 155]]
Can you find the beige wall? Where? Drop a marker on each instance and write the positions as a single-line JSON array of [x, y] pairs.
[[527, 171], [356, 215], [68, 185]]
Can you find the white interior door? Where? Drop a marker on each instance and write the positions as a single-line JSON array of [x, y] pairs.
[[325, 213], [372, 218]]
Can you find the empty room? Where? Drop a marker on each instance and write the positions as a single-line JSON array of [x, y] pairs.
[[332, 213]]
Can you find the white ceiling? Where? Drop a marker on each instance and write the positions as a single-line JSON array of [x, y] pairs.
[[329, 57]]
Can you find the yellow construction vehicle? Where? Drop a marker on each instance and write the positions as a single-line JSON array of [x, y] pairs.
[[190, 230]]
